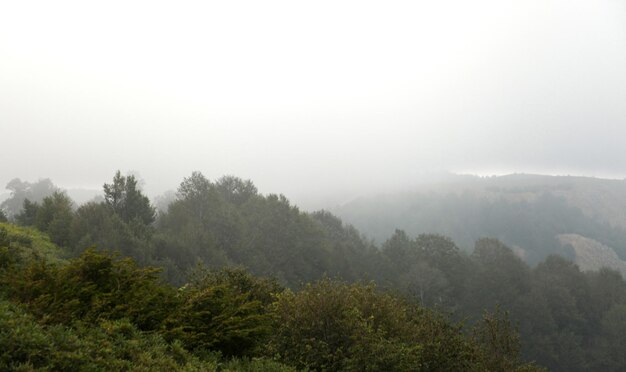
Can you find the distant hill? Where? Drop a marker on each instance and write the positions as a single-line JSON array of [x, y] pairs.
[[527, 212]]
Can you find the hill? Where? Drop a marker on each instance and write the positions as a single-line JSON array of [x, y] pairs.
[[527, 212]]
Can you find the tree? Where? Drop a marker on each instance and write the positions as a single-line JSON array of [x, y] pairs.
[[499, 277], [194, 187], [400, 251], [235, 190], [352, 257], [96, 224], [22, 190], [613, 343], [500, 343], [28, 215], [127, 201], [105, 345], [223, 310], [95, 286], [198, 225], [54, 217], [257, 288], [607, 288], [426, 283], [334, 326]]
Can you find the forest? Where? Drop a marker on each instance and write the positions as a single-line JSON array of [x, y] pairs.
[[226, 278], [526, 212]]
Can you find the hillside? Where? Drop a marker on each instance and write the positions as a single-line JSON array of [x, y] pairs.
[[591, 255], [527, 212]]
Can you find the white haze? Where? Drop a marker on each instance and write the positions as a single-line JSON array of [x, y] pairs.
[[310, 98]]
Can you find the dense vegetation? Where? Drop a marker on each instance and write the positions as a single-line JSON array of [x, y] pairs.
[[199, 314], [100, 311]]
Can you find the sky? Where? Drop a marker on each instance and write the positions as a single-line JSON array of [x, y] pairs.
[[310, 98]]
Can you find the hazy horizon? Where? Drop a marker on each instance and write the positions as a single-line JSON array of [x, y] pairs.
[[311, 99], [309, 201]]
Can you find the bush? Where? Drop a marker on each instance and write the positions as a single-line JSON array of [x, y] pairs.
[[220, 318], [109, 345], [335, 326], [94, 286], [255, 365]]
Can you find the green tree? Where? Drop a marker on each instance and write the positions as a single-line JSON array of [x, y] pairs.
[[219, 316], [612, 343], [54, 217], [400, 251], [28, 214], [199, 225], [261, 289], [94, 286], [500, 343], [127, 201], [335, 326], [26, 345], [95, 224], [235, 190], [426, 283], [122, 222], [195, 187], [498, 277]]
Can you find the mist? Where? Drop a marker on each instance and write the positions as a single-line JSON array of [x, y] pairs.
[[326, 185], [311, 100]]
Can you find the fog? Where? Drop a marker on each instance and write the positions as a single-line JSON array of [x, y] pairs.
[[310, 99]]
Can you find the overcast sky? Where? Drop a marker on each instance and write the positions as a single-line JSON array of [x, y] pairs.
[[310, 97]]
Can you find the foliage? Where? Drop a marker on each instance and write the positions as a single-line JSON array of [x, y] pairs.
[[223, 311], [122, 222], [499, 342], [235, 190], [109, 345], [93, 312], [335, 326], [255, 365], [126, 200], [20, 246], [239, 279], [28, 215], [96, 225], [92, 287], [228, 222], [54, 217], [531, 224], [498, 276], [429, 267], [22, 190], [567, 319]]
